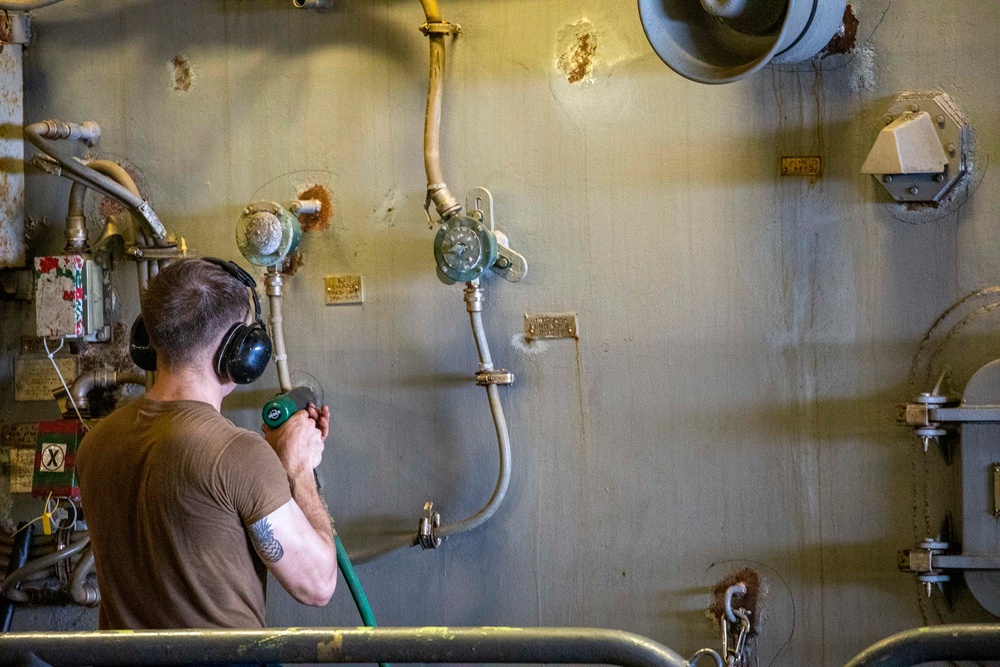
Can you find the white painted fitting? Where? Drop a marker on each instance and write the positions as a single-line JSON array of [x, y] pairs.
[[725, 9], [305, 207]]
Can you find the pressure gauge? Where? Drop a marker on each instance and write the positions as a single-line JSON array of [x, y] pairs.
[[464, 248]]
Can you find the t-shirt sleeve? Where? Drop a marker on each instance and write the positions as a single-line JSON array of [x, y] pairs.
[[251, 479]]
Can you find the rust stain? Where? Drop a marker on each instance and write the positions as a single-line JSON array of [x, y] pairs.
[[293, 262], [756, 591], [849, 40], [576, 61], [182, 74], [313, 222]]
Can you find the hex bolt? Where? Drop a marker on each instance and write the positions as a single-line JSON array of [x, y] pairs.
[[888, 119], [887, 179], [939, 178], [914, 108], [951, 149], [914, 190], [940, 120]]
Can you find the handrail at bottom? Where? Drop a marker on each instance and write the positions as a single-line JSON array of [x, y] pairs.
[[938, 643], [338, 645]]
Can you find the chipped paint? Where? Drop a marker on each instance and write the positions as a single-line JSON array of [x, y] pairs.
[[329, 651], [577, 50], [520, 343], [181, 73]]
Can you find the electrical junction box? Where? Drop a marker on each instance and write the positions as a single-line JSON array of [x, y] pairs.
[[56, 445], [69, 297]]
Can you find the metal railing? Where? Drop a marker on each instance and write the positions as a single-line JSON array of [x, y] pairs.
[[922, 645], [337, 645]]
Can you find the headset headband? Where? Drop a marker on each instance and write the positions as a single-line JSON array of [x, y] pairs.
[[240, 274]]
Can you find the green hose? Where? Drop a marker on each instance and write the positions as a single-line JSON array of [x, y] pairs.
[[353, 583]]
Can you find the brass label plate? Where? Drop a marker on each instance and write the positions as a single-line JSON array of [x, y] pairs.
[[551, 325], [344, 290], [811, 165], [35, 378]]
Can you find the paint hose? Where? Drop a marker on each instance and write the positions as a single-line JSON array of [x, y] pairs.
[[354, 584]]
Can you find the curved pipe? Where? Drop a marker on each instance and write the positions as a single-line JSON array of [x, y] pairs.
[[76, 221], [437, 190], [8, 586], [503, 477], [82, 592], [939, 643], [42, 136], [88, 382], [336, 645], [25, 5]]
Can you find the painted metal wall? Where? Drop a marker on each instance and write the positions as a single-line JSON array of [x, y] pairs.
[[744, 337]]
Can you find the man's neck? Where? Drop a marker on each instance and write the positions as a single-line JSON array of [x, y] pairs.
[[187, 384]]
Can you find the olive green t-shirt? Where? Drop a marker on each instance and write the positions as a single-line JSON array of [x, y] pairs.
[[168, 488]]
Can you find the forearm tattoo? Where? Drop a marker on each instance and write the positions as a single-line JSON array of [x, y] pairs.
[[267, 544]]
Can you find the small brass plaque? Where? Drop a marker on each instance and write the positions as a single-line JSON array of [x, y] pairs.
[[802, 166], [344, 290], [551, 325]]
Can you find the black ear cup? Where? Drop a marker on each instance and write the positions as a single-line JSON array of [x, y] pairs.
[[142, 353], [244, 353]]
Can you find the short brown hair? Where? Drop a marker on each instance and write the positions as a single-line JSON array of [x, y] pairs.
[[188, 306]]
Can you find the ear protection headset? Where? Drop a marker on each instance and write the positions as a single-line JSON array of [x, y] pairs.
[[245, 350]]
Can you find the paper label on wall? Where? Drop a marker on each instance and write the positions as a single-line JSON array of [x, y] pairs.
[[22, 469], [35, 378]]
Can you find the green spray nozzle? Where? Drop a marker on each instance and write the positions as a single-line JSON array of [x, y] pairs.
[[281, 408]]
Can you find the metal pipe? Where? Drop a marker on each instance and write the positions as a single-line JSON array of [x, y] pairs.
[[88, 382], [8, 588], [339, 645], [939, 643], [80, 591], [274, 281], [474, 300], [437, 190], [42, 134], [25, 5], [76, 221], [22, 546]]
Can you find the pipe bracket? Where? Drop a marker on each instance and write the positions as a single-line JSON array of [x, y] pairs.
[[440, 28]]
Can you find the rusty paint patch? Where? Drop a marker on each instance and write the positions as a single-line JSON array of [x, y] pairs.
[[756, 591], [183, 76], [331, 650], [293, 262], [109, 207], [577, 50], [846, 42], [314, 222]]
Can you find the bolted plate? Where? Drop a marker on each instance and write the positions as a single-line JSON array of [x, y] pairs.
[[954, 131]]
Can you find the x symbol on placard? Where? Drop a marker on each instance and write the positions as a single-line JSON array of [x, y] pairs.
[[53, 458]]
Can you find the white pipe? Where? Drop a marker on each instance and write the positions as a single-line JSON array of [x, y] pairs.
[[503, 477], [274, 281], [25, 5]]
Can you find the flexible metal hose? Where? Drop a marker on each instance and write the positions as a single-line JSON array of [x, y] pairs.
[[42, 134], [437, 190]]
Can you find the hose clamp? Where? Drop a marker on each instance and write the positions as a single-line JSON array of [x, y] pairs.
[[427, 536], [440, 28], [500, 377]]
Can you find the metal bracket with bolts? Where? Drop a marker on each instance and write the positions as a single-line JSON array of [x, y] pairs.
[[427, 536]]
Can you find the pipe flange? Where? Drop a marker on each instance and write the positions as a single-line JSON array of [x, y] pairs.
[[503, 377]]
